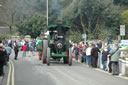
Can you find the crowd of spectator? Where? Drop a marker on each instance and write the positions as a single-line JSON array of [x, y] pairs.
[[89, 53], [92, 52], [7, 46]]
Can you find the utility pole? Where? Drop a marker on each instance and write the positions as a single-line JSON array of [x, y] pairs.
[[47, 11]]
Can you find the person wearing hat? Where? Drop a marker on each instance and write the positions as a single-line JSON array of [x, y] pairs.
[[115, 54]]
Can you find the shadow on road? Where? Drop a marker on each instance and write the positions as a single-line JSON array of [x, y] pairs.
[[59, 63]]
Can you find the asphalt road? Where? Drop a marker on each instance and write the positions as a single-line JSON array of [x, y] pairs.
[[30, 71]]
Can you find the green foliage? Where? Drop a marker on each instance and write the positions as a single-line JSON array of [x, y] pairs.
[[116, 1], [32, 26], [4, 36], [121, 2], [112, 21], [124, 2], [75, 37], [124, 21], [88, 16], [104, 32], [93, 17]]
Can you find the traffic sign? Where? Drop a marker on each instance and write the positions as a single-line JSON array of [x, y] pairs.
[[122, 30], [84, 36]]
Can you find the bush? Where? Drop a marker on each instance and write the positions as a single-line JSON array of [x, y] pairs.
[[105, 32], [4, 36], [32, 26], [76, 37]]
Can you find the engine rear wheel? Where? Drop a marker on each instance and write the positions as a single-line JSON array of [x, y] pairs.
[[70, 57], [44, 51], [48, 56]]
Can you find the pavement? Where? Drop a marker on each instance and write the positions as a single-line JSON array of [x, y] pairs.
[[30, 71], [3, 79]]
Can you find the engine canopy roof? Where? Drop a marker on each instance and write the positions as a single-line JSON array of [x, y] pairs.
[[53, 27]]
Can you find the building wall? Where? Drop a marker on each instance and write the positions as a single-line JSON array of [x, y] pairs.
[[4, 30]]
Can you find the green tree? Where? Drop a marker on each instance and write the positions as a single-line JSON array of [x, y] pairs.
[[32, 26], [3, 36], [8, 12], [75, 37], [124, 21], [124, 2], [88, 15], [12, 11]]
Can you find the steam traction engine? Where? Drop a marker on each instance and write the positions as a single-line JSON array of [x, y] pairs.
[[56, 46]]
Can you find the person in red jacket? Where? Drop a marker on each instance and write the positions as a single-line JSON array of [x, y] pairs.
[[24, 48]]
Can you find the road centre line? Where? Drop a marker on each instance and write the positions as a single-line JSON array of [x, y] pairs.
[[9, 74], [13, 80]]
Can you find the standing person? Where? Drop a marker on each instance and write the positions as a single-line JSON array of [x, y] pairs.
[[27, 44], [99, 44], [109, 40], [31, 49], [1, 44], [6, 41], [8, 50], [104, 58], [24, 50], [76, 51], [109, 57], [2, 59], [10, 44], [81, 46], [114, 60], [84, 54], [34, 43], [16, 50], [94, 55], [88, 55]]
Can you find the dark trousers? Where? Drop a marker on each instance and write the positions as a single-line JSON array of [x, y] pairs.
[[8, 57], [94, 60], [115, 68], [83, 58], [16, 54], [76, 55], [110, 66], [1, 67]]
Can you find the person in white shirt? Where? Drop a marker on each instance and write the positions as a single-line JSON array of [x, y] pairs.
[[88, 55]]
